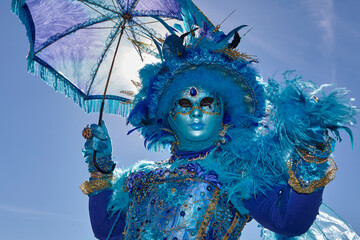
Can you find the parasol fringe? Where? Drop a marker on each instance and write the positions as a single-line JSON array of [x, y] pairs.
[[113, 105], [19, 8], [16, 6]]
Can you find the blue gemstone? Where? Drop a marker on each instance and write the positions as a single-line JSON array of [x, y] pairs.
[[193, 92]]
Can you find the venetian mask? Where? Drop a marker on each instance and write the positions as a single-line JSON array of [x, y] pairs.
[[196, 117]]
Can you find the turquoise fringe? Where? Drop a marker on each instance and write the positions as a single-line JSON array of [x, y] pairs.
[[113, 104]]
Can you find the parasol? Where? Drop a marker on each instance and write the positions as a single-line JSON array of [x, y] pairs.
[[91, 50]]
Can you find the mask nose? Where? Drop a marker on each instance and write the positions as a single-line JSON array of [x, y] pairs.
[[196, 113]]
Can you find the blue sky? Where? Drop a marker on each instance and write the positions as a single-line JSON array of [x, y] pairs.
[[41, 160]]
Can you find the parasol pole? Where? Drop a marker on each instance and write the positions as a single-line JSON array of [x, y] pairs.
[[103, 99]]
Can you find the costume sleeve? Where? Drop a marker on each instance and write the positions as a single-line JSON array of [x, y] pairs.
[[102, 223], [284, 211], [100, 191], [303, 117]]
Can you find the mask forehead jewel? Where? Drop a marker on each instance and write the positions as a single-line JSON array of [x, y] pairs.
[[193, 92]]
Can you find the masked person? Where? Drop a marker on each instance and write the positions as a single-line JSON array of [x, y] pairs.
[[241, 149]]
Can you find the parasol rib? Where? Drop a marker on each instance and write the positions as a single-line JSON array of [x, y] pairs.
[[110, 71], [143, 28], [116, 7], [137, 48], [165, 20], [85, 3], [101, 59], [122, 9], [108, 9], [133, 6], [103, 99], [89, 28], [135, 45], [139, 33], [68, 33]]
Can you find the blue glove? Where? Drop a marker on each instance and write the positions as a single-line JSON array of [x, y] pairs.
[[98, 140]]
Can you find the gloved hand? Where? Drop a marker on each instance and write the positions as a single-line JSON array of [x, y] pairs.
[[98, 139]]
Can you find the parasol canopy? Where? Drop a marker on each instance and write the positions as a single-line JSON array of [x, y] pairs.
[[91, 50]]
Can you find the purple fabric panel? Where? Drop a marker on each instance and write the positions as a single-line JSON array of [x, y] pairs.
[[285, 211], [52, 17], [75, 55], [101, 223], [164, 8]]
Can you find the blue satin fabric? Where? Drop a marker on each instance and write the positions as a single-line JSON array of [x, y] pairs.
[[284, 211], [327, 226], [101, 222]]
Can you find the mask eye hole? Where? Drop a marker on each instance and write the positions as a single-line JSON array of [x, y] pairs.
[[206, 101], [185, 103]]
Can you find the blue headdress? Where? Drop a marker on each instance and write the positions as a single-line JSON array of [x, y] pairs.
[[208, 60]]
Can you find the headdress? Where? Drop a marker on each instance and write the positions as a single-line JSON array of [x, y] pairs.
[[209, 60]]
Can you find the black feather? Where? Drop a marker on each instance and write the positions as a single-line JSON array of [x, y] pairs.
[[235, 42]]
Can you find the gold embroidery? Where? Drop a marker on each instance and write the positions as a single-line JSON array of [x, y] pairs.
[[94, 185], [100, 175], [309, 156], [175, 144], [245, 221], [302, 186], [192, 109], [222, 132], [201, 156], [209, 212], [231, 228]]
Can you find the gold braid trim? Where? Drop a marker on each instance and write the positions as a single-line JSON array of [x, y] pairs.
[[245, 222], [309, 155], [209, 211], [302, 186], [101, 175], [94, 186]]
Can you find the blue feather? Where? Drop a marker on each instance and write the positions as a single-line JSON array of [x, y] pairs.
[[303, 112], [167, 26]]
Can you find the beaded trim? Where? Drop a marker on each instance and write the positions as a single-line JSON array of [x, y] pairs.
[[89, 187], [209, 212], [302, 186], [233, 224]]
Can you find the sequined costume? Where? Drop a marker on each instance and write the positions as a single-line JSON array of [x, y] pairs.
[[269, 161], [185, 203]]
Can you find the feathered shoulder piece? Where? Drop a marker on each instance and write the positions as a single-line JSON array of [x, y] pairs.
[[303, 113], [306, 121]]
